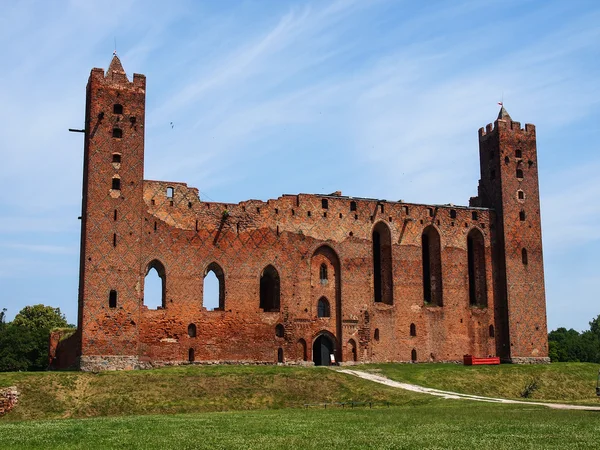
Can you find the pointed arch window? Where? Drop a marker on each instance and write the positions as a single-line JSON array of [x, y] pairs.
[[383, 283], [323, 309], [213, 290], [432, 267], [155, 285], [269, 289], [476, 268]]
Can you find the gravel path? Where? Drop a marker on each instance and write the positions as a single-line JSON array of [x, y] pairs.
[[455, 395]]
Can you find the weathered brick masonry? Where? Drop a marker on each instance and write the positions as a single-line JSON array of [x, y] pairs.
[[302, 276]]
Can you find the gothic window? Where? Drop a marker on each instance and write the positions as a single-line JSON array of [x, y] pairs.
[[323, 309], [382, 264], [376, 334], [520, 174], [155, 285], [432, 267], [192, 330], [269, 289], [413, 329], [213, 298], [476, 268], [170, 192]]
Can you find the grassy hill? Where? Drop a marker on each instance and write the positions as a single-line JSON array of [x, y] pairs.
[[186, 389], [557, 382]]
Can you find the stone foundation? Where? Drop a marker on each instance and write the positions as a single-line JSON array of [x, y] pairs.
[[9, 397], [529, 360]]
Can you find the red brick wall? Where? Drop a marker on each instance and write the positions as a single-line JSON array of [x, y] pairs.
[[295, 234]]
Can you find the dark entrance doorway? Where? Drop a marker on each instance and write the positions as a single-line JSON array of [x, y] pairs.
[[322, 349]]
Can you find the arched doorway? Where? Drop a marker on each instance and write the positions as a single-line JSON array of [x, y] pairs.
[[323, 348]]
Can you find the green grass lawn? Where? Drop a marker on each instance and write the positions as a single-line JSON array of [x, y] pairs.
[[556, 382], [434, 424]]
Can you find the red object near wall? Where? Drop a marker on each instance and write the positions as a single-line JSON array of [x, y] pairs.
[[470, 360]]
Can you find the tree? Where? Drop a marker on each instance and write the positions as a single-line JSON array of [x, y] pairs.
[[40, 317], [24, 341]]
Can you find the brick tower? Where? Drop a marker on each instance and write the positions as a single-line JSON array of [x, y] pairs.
[[509, 185], [109, 290]]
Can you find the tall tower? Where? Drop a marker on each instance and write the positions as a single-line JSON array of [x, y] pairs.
[[509, 185], [113, 173]]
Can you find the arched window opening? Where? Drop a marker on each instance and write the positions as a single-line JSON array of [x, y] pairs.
[[155, 286], [170, 192], [117, 133], [352, 206], [492, 332], [524, 256], [112, 299], [280, 355], [116, 184], [521, 195], [214, 288], [520, 173], [413, 355], [191, 355], [522, 215], [432, 267], [279, 330], [382, 264], [192, 330], [353, 354], [117, 109], [323, 308], [413, 329], [323, 273], [376, 334], [476, 268], [269, 289], [116, 158], [302, 349]]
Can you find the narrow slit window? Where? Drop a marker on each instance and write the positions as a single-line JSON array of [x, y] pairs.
[[474, 215], [112, 299], [522, 215], [413, 329], [352, 206], [430, 212], [323, 272], [115, 215], [492, 332], [114, 239], [381, 207], [279, 330], [117, 133], [405, 210], [116, 184], [324, 203], [524, 256], [453, 214], [376, 334]]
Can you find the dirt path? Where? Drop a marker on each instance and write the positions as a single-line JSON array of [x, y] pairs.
[[456, 395]]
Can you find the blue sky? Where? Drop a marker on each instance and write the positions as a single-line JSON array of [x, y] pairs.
[[376, 98]]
